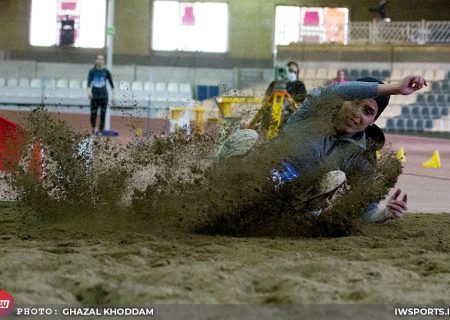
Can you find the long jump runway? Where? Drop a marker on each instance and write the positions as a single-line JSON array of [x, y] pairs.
[[428, 189]]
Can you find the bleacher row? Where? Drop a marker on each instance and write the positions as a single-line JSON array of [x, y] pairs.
[[430, 111], [384, 74], [66, 92]]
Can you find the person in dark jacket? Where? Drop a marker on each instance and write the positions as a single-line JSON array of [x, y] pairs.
[[98, 93]]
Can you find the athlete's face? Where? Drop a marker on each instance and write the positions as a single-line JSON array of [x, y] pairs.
[[356, 115], [100, 61]]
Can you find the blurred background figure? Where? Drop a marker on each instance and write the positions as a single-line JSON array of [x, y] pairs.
[[340, 78]]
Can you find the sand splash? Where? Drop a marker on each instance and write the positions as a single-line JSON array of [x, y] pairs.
[[174, 182]]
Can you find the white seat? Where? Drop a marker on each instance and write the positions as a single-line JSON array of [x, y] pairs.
[[439, 75], [331, 73], [322, 74], [396, 74], [137, 86], [172, 87], [2, 82], [124, 85], [429, 75], [62, 84], [310, 74], [149, 86], [35, 83], [24, 82], [185, 87], [49, 83], [84, 84], [74, 84], [160, 86], [11, 82]]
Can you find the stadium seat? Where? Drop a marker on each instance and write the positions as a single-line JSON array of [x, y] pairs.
[[84, 84], [435, 87], [439, 75], [406, 112], [2, 82], [446, 87], [390, 124], [431, 100], [419, 125], [310, 73], [400, 125], [364, 73], [376, 74], [173, 87], [24, 83], [332, 73], [441, 100], [36, 83], [445, 112], [137, 86], [435, 112], [62, 84], [429, 124], [425, 113], [149, 86], [421, 100], [396, 74], [448, 75], [11, 82], [410, 125], [415, 112], [322, 74], [385, 74], [353, 74], [74, 84], [49, 83], [429, 75]]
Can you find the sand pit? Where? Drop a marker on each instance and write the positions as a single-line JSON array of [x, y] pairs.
[[128, 263]]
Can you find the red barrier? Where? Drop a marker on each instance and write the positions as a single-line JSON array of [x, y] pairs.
[[13, 141]]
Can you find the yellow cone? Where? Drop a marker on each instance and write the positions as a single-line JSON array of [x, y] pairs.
[[401, 155], [433, 162], [378, 153]]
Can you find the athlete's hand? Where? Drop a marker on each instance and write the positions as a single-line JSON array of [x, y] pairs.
[[89, 92], [396, 207], [410, 84]]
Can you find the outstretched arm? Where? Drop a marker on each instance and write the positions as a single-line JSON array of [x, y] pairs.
[[406, 86]]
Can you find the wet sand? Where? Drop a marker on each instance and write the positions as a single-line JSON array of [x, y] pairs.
[[116, 261]]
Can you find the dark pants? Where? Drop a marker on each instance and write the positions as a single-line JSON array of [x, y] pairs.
[[95, 104]]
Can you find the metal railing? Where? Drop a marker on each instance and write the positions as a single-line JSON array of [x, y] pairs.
[[405, 32]]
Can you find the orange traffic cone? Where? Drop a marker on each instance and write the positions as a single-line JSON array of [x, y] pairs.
[[434, 162]]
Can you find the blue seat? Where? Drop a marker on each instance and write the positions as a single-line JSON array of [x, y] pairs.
[[436, 87], [410, 125], [400, 125], [421, 99], [390, 124], [444, 112], [385, 73], [415, 112], [429, 124], [446, 86], [354, 74], [406, 112], [441, 100], [425, 112], [448, 75], [377, 74], [419, 125], [435, 112], [431, 100], [364, 73]]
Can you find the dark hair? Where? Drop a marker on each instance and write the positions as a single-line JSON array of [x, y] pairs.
[[295, 64], [382, 101]]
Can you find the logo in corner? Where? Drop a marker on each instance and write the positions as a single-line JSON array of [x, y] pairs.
[[6, 304]]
